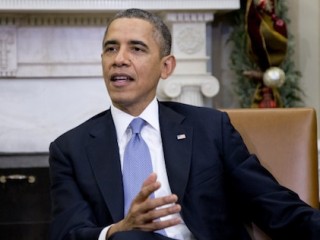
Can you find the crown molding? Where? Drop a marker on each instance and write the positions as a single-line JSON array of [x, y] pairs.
[[115, 5]]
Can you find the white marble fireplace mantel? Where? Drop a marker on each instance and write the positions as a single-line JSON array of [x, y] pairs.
[[50, 70], [114, 5]]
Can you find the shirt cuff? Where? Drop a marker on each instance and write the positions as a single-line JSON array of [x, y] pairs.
[[103, 233]]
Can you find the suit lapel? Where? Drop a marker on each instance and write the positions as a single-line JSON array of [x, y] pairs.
[[103, 154], [177, 148]]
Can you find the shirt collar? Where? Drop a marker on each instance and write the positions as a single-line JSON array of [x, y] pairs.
[[122, 119]]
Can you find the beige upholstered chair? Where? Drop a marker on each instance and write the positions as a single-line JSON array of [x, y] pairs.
[[285, 141]]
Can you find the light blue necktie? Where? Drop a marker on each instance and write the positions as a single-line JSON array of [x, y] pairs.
[[137, 165]]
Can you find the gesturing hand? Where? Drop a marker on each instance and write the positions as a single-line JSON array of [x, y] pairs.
[[145, 212]]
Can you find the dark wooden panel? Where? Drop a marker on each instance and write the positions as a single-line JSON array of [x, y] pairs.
[[24, 231], [25, 207]]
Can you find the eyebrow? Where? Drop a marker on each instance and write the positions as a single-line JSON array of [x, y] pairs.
[[137, 42], [131, 42], [109, 42]]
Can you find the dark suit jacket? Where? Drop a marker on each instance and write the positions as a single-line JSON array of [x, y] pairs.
[[220, 186]]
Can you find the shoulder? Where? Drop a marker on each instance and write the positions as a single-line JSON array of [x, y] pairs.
[[195, 112]]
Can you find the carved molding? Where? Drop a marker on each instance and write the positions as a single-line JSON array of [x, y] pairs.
[[190, 17], [54, 19], [206, 85], [210, 88], [8, 52], [190, 40]]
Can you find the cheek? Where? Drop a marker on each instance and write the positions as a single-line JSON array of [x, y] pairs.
[[150, 68], [105, 62], [106, 72], [149, 75]]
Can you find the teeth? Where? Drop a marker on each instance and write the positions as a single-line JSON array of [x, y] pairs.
[[118, 78]]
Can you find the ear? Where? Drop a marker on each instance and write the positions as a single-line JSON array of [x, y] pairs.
[[168, 65]]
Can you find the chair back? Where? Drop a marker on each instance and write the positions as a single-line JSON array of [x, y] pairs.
[[285, 141]]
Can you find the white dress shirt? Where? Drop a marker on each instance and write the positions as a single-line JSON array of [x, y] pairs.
[[152, 136]]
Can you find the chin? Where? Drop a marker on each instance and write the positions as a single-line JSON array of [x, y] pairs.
[[120, 101]]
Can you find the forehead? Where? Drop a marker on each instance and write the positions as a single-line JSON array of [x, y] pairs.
[[130, 27]]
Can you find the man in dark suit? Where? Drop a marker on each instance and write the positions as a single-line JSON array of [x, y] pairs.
[[204, 185]]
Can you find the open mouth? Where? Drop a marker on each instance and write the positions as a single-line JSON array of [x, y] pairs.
[[121, 78]]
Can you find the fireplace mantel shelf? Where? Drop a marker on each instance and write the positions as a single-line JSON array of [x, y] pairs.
[[114, 5]]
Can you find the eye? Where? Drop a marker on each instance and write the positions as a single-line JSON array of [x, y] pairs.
[[110, 49], [138, 49]]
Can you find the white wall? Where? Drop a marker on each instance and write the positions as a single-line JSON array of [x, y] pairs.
[[305, 25]]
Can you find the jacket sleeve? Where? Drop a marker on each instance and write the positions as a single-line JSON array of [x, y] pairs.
[[72, 214]]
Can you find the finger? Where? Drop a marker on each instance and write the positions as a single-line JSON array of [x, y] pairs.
[[160, 202], [140, 210], [151, 210], [156, 214], [150, 179], [149, 186], [157, 225]]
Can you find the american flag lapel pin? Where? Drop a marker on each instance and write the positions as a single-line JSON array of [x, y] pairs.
[[181, 136]]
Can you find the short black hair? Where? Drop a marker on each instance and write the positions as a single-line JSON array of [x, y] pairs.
[[162, 33]]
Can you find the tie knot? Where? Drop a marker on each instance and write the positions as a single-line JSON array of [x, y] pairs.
[[136, 125]]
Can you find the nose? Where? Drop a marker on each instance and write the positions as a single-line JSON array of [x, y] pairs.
[[122, 58]]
